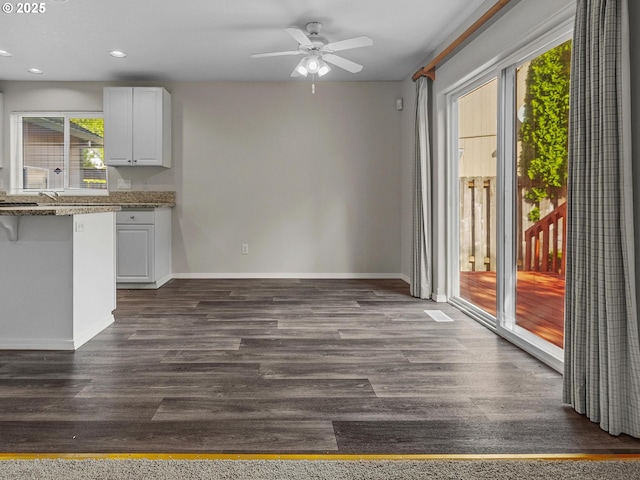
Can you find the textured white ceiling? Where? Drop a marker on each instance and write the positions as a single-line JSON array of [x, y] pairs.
[[202, 40]]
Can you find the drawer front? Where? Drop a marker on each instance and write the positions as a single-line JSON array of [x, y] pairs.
[[135, 217]]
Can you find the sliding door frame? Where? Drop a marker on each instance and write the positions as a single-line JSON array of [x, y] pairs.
[[504, 323], [453, 213]]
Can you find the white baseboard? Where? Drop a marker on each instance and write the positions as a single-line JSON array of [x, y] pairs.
[[136, 286], [36, 344], [439, 298], [60, 343], [145, 286], [288, 275], [164, 280], [88, 333], [405, 278]]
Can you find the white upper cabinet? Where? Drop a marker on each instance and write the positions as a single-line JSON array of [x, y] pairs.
[[137, 126]]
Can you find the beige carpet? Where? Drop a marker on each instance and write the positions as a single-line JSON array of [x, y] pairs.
[[318, 469]]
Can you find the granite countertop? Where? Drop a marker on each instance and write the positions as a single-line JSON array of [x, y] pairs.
[[72, 205], [55, 209], [132, 205]]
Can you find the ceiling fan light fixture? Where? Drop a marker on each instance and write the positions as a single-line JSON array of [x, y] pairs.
[[313, 64], [302, 67], [324, 68]]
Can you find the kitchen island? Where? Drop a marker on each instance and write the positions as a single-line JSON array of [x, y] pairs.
[[57, 274]]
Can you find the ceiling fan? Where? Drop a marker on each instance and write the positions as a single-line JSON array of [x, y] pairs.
[[318, 51]]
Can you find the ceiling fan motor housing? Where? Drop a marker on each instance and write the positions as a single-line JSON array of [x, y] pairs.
[[318, 41], [313, 28]]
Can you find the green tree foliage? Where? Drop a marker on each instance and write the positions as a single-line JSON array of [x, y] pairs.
[[95, 126], [544, 130]]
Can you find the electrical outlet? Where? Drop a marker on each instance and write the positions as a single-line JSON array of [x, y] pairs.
[[245, 249], [79, 226]]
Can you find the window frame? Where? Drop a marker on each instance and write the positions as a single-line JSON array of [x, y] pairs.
[[17, 158]]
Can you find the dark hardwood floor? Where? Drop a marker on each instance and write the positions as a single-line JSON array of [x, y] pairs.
[[289, 366]]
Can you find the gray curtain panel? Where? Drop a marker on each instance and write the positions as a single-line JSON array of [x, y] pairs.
[[602, 344], [421, 252]]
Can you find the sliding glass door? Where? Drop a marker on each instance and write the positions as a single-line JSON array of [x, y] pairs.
[[542, 92], [476, 142], [508, 188]]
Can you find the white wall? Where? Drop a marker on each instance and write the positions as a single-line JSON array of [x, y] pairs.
[[94, 276], [514, 28], [56, 291], [36, 306], [310, 182]]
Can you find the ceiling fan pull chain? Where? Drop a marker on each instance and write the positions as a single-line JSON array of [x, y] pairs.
[[313, 84]]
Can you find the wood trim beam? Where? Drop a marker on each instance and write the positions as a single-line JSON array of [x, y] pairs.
[[429, 70]]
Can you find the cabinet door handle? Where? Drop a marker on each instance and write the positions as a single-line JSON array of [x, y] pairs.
[[132, 217], [129, 161]]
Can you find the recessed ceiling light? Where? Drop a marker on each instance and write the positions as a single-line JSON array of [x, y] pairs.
[[117, 54], [4, 53], [35, 71]]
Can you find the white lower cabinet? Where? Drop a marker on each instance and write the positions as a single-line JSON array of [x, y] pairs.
[[135, 253], [143, 253]]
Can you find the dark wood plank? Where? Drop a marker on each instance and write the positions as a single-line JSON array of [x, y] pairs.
[[318, 408], [167, 437], [237, 388], [76, 409], [477, 436], [265, 356]]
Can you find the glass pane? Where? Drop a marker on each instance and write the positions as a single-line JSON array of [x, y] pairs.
[[543, 114], [86, 153], [43, 153], [477, 130]]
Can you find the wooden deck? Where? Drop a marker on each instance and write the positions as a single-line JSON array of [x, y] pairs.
[[539, 300]]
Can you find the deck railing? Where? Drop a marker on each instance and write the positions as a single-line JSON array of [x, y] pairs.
[[477, 224], [545, 243]]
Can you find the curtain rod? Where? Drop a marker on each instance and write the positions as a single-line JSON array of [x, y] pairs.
[[429, 70]]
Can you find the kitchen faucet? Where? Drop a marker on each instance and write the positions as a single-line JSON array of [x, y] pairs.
[[52, 195]]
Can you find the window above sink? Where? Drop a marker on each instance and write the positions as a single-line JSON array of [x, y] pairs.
[[58, 152]]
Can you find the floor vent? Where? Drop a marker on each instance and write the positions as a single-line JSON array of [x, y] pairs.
[[439, 316]]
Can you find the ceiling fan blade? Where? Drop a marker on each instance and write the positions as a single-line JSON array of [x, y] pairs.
[[299, 37], [276, 54], [356, 42], [348, 65]]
